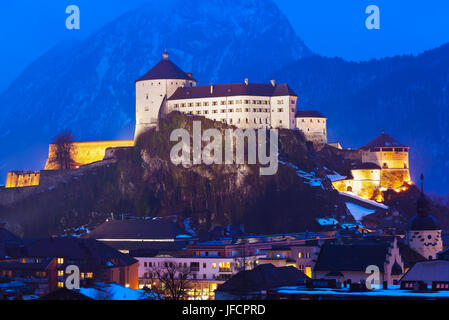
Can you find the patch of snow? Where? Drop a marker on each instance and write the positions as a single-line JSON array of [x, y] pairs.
[[336, 177], [357, 211], [309, 177], [114, 291]]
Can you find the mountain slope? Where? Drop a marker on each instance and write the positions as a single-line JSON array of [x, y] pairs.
[[408, 96], [88, 86]]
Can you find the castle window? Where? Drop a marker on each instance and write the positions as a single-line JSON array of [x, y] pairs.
[[385, 165], [246, 101], [247, 121], [206, 104], [214, 103], [280, 109]]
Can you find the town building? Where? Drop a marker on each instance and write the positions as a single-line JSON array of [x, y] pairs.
[[204, 273], [137, 234], [349, 262], [254, 284], [42, 263], [431, 273]]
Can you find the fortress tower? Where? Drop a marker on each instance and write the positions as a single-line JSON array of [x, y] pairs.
[[153, 89], [313, 125], [392, 157]]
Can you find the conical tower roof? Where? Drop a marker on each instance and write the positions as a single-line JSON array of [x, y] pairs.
[[383, 141], [166, 69]]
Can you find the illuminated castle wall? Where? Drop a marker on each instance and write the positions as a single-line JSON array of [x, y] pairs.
[[384, 165], [20, 179], [86, 152]]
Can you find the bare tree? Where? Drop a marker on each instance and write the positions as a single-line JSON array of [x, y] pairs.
[[171, 280], [64, 150]]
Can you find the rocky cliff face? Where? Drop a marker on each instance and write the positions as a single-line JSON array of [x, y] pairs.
[[144, 182]]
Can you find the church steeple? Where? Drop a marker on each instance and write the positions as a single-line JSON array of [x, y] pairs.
[[422, 205]]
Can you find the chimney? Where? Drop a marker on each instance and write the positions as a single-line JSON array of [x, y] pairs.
[[246, 81], [190, 75], [211, 89], [273, 83]]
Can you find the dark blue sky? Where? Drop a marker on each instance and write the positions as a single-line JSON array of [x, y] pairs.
[[333, 28]]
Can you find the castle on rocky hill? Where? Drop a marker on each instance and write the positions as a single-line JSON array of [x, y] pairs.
[[381, 164]]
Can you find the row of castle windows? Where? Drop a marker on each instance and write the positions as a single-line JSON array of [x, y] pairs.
[[239, 121], [199, 112], [311, 120], [230, 102], [222, 103]]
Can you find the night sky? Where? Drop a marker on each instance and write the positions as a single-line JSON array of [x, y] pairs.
[[28, 28]]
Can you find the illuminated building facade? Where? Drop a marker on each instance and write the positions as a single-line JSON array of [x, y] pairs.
[[166, 88], [384, 165]]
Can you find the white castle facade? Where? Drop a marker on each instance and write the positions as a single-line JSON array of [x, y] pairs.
[[166, 88]]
